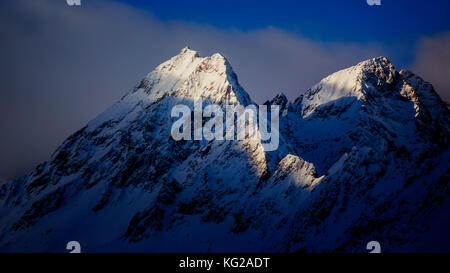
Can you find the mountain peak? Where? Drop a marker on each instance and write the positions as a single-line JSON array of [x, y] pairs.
[[379, 67], [280, 99], [357, 81], [281, 95], [184, 76], [380, 60], [187, 50]]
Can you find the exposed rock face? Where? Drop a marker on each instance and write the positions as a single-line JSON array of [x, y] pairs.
[[363, 156]]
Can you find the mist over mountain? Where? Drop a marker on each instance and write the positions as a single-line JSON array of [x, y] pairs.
[[363, 156]]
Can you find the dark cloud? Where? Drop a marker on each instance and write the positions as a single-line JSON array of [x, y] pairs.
[[432, 62], [61, 66]]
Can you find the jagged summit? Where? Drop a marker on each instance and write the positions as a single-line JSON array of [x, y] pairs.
[[186, 76], [281, 100], [377, 61], [186, 49], [189, 75], [365, 81]]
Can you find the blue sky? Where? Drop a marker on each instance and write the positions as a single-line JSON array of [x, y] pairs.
[[397, 24]]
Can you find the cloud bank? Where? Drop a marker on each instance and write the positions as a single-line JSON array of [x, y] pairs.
[[61, 66], [432, 62]]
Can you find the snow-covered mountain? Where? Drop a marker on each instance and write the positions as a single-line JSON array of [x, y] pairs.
[[363, 156]]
